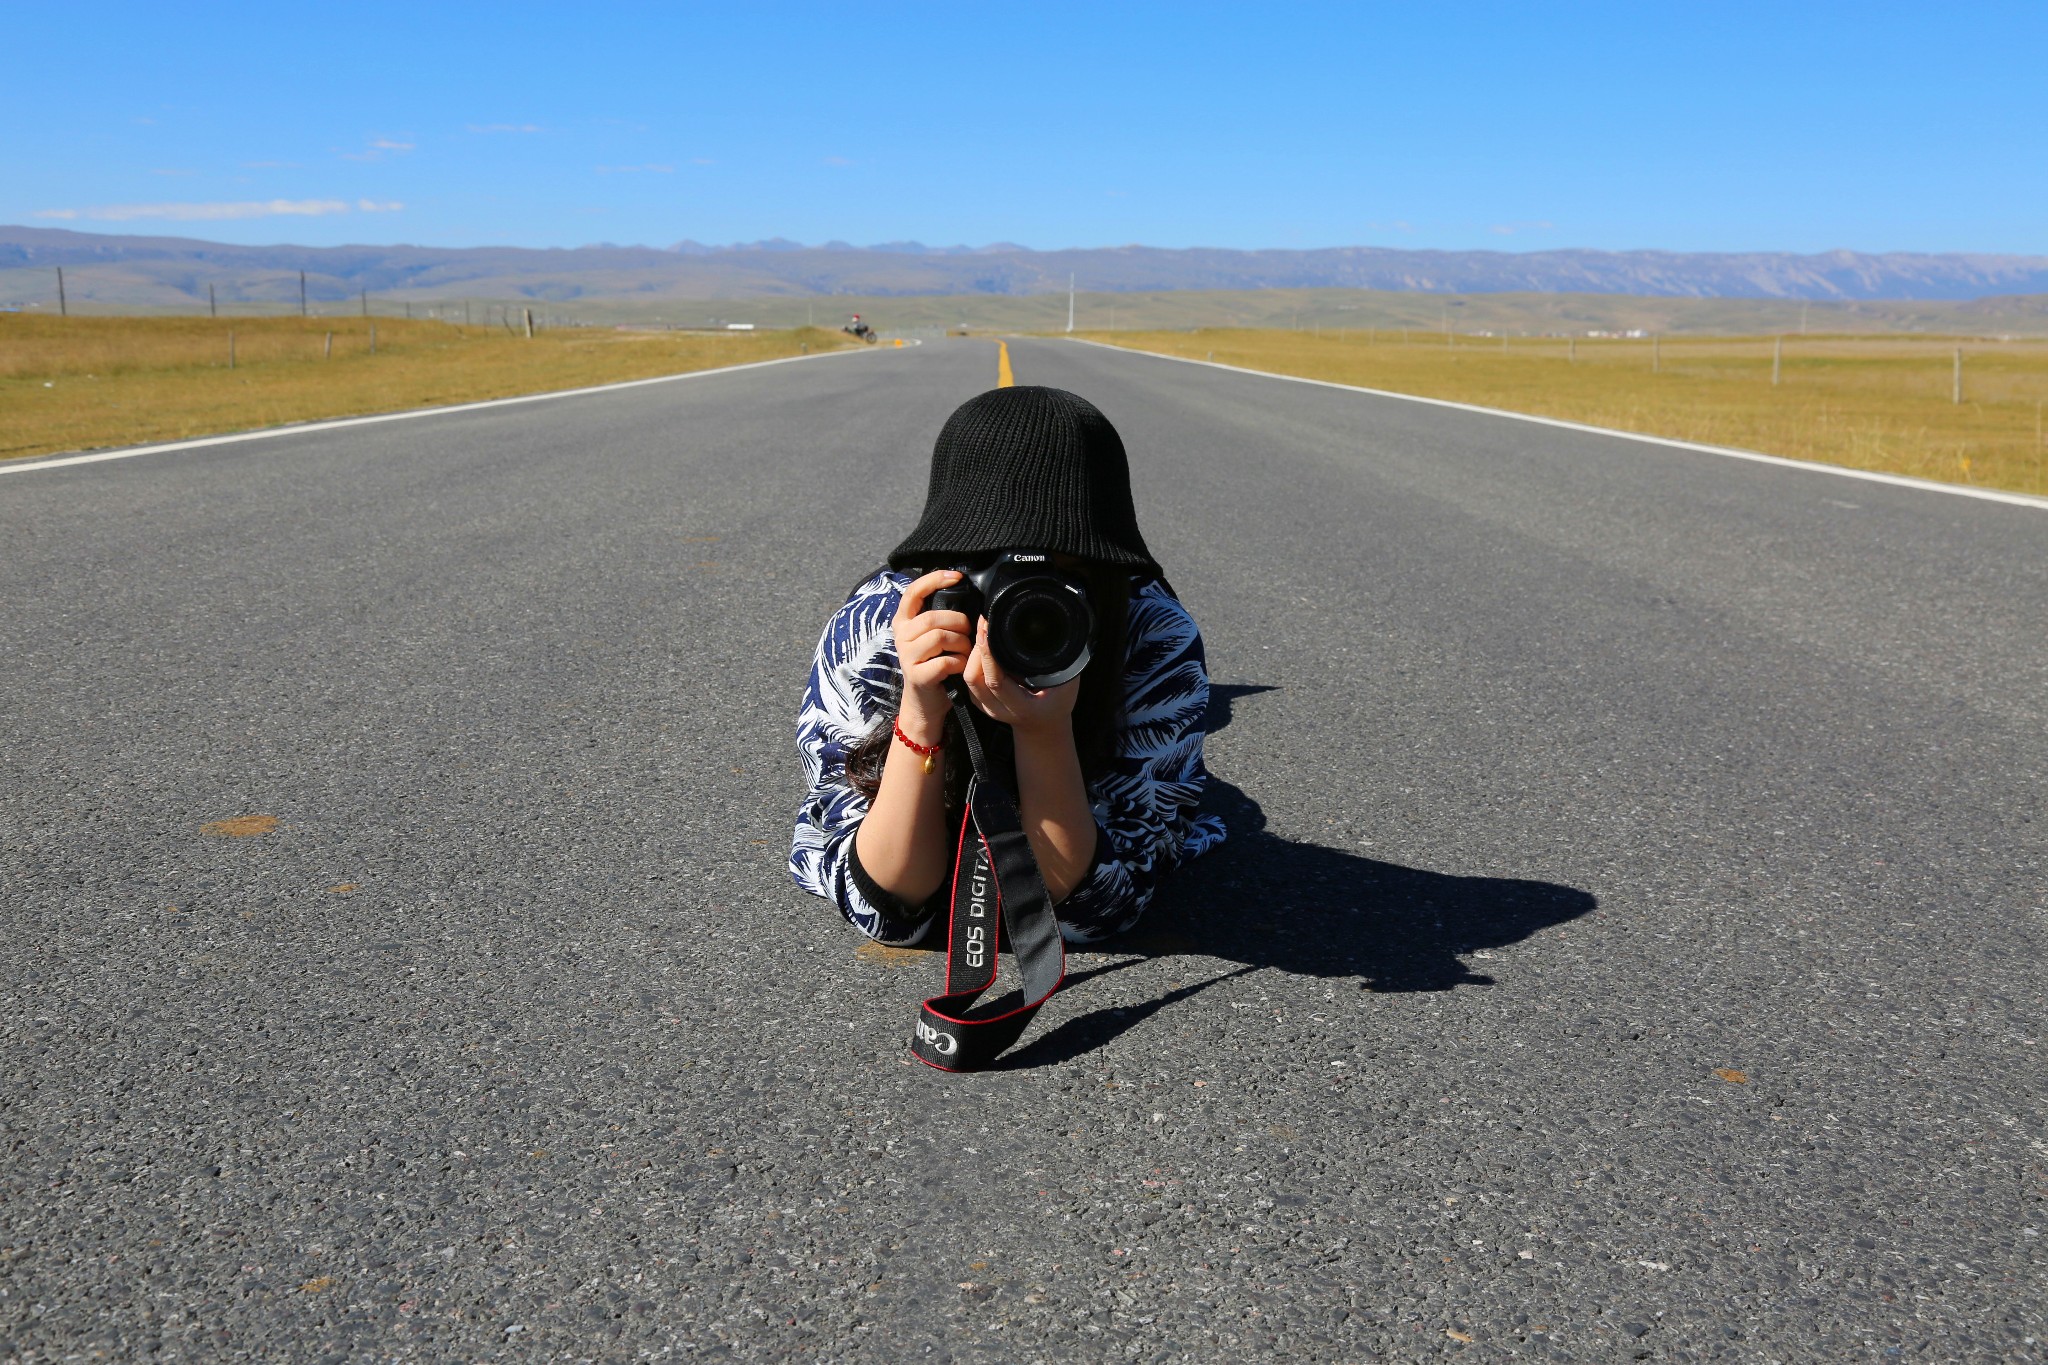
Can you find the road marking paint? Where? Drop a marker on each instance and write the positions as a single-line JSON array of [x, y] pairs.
[[28, 465], [1867, 475], [1004, 379]]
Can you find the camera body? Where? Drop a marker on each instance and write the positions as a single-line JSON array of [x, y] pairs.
[[1040, 623]]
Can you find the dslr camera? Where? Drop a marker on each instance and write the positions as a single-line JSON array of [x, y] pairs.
[[1039, 620]]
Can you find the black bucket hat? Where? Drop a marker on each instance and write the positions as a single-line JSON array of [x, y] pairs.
[[1028, 468]]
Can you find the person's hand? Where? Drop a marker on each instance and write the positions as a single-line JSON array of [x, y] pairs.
[[931, 646], [1000, 697]]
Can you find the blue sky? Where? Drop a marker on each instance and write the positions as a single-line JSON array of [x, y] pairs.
[[1517, 127]]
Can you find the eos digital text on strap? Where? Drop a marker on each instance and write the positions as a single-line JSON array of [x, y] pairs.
[[999, 899]]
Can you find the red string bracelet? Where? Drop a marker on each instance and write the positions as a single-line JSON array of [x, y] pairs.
[[928, 752]]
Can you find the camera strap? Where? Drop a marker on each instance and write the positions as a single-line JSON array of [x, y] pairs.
[[999, 899]]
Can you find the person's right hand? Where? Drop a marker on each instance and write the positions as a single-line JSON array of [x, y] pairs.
[[931, 646]]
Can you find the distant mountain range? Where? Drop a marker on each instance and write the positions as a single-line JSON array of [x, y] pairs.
[[173, 271]]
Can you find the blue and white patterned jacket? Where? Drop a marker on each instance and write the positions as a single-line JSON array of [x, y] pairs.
[[1144, 807]]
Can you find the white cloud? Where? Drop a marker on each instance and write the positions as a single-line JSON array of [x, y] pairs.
[[1510, 229], [372, 206], [504, 127], [203, 213], [379, 148]]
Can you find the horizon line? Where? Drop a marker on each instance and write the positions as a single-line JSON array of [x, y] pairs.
[[911, 246]]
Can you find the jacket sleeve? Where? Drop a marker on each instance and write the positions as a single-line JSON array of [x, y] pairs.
[[1145, 807], [854, 685]]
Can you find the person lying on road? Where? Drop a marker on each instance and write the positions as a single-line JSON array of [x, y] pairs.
[[1029, 507]]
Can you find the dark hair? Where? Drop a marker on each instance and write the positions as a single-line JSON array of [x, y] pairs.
[[1098, 710]]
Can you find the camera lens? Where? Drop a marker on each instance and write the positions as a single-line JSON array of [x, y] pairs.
[[1040, 628], [1037, 627]]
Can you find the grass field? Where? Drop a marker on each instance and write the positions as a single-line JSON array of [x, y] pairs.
[[1880, 403], [79, 383]]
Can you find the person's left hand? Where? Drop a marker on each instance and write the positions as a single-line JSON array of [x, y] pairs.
[[1002, 698]]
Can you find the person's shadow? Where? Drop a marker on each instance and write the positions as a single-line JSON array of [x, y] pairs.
[[1264, 901]]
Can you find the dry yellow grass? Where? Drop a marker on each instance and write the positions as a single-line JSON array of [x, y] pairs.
[[1880, 403], [79, 383]]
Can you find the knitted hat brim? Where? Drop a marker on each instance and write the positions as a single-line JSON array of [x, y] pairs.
[[1028, 468]]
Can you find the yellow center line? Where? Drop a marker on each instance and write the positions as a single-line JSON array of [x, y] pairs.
[[1004, 379]]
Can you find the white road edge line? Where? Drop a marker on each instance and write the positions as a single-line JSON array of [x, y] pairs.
[[1867, 475], [31, 463]]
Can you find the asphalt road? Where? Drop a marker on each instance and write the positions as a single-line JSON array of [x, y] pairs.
[[1629, 944]]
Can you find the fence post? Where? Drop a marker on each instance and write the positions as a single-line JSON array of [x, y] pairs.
[[1571, 350], [1956, 389], [366, 303], [231, 350], [1656, 355], [302, 293], [63, 304], [529, 324], [327, 352], [212, 308], [373, 338], [1777, 357]]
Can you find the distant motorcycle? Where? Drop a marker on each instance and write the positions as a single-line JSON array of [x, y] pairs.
[[857, 328]]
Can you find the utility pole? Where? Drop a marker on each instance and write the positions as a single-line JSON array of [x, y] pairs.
[[302, 293], [63, 305], [212, 308], [1070, 301]]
